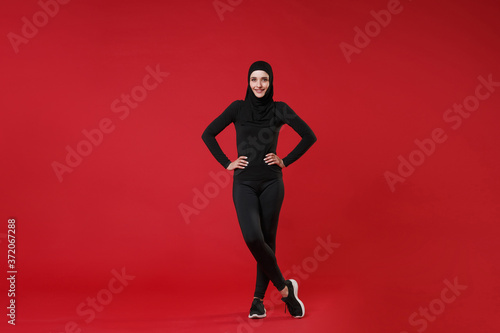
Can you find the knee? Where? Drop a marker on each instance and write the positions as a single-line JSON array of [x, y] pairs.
[[272, 245], [255, 243]]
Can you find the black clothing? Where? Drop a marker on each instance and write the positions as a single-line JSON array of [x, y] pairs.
[[258, 205], [261, 107], [255, 140], [258, 189]]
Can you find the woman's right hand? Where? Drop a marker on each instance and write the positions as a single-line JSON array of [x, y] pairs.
[[239, 163]]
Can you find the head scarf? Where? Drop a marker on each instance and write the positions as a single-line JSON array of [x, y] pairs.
[[260, 108]]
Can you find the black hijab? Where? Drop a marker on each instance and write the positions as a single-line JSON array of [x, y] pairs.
[[261, 109]]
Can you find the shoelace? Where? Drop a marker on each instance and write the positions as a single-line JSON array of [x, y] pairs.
[[256, 306]]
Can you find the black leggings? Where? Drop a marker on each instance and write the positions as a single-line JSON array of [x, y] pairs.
[[258, 205]]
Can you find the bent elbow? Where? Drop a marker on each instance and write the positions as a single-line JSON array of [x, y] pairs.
[[205, 136], [313, 138]]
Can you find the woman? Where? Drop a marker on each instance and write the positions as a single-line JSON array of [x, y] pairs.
[[258, 189]]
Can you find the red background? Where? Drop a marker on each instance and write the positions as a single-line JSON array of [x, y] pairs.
[[120, 207]]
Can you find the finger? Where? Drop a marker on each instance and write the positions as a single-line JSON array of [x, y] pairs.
[[271, 156]]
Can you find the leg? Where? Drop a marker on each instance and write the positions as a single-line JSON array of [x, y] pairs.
[[247, 204], [270, 199]]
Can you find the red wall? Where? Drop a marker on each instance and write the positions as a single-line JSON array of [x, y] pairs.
[[404, 175]]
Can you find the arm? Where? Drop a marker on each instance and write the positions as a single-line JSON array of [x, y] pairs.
[[215, 127], [308, 138]]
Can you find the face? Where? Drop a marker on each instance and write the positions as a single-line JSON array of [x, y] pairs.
[[259, 83]]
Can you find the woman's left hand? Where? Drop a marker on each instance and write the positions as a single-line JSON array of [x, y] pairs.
[[274, 159]]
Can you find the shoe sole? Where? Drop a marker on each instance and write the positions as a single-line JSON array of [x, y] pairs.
[[257, 316], [295, 293]]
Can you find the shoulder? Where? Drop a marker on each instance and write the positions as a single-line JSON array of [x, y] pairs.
[[280, 105], [237, 104], [233, 109], [284, 111]]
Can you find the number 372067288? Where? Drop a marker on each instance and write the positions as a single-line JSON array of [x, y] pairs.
[[11, 239]]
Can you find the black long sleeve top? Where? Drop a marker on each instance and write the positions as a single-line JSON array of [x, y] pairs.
[[255, 139]]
